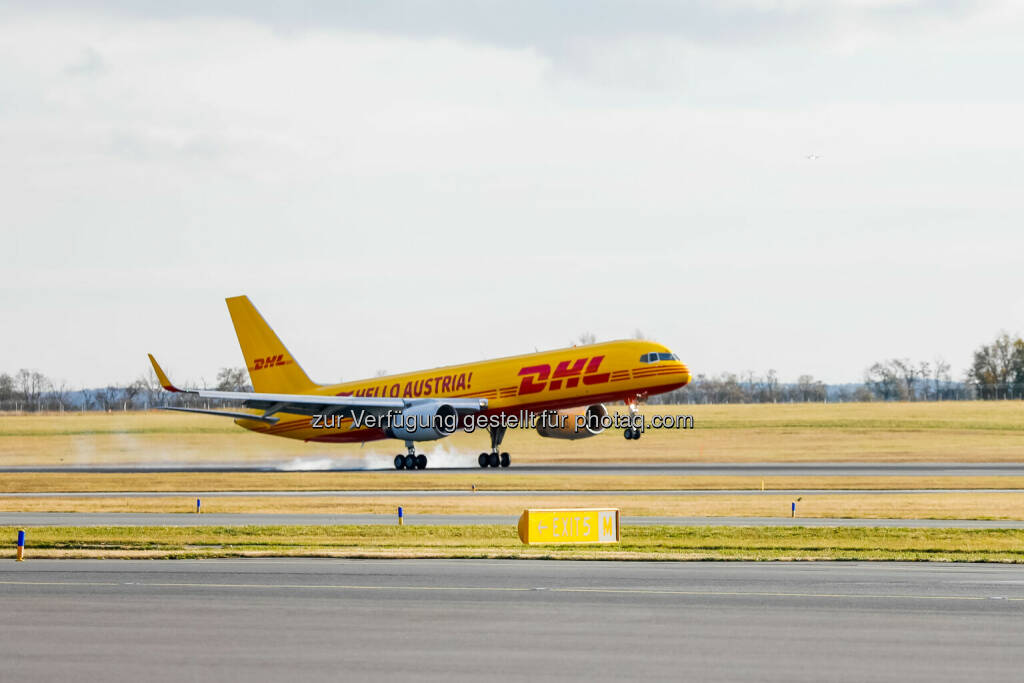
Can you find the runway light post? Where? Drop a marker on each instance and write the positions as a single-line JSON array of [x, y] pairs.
[[21, 545], [198, 503], [399, 515]]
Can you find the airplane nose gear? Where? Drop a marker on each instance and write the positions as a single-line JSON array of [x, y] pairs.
[[494, 458], [634, 412]]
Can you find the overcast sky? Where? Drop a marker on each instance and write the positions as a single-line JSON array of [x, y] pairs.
[[800, 185]]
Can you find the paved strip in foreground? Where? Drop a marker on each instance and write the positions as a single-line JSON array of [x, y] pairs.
[[33, 519], [322, 619], [435, 493]]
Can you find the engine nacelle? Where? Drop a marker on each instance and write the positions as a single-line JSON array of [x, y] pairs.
[[573, 423], [424, 422]]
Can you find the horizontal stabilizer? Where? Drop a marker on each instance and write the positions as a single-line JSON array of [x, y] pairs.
[[225, 413]]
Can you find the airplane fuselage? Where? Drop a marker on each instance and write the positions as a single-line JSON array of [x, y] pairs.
[[535, 382]]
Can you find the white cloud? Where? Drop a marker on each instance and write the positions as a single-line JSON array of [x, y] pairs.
[[430, 194]]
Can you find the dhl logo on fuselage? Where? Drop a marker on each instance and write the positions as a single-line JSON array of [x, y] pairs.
[[536, 378], [269, 362]]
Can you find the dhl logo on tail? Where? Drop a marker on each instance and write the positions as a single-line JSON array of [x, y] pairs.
[[268, 362]]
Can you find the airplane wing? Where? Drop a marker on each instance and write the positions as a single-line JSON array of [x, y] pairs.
[[307, 404]]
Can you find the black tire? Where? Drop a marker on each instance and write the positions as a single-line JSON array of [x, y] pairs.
[[399, 462], [421, 462], [482, 460], [505, 460], [628, 433], [410, 462], [493, 460]]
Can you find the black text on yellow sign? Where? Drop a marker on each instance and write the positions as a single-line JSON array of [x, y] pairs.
[[587, 525]]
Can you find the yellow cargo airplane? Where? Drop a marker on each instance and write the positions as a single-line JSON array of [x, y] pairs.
[[559, 393]]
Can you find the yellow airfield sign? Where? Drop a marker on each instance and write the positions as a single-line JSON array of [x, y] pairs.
[[585, 525]]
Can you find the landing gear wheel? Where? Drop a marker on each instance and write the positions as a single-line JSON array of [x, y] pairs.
[[493, 460], [399, 462], [631, 433], [410, 462], [505, 460], [421, 462], [482, 460]]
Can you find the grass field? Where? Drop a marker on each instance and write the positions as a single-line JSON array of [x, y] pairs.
[[487, 480], [975, 431], [890, 432], [873, 505], [638, 543]]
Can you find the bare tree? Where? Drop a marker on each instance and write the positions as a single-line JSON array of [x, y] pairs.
[[129, 394], [151, 389], [940, 378], [771, 384], [60, 394], [31, 385], [586, 338], [7, 390], [810, 389], [998, 367], [233, 379], [638, 334], [884, 381], [108, 398]]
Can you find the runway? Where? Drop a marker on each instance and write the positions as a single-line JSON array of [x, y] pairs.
[[435, 493], [309, 619], [37, 519], [950, 469]]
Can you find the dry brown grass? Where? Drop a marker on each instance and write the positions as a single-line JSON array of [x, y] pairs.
[[975, 431], [486, 480], [880, 505]]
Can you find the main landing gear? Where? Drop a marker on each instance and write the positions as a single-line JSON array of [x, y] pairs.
[[411, 461], [494, 458]]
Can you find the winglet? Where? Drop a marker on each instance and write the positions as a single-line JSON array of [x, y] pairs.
[[162, 376]]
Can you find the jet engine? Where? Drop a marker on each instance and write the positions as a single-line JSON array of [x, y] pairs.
[[424, 422], [572, 423]]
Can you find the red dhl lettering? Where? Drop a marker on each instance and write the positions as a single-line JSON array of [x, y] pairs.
[[269, 362], [535, 377]]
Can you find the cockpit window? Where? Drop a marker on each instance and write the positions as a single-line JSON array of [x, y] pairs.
[[654, 357]]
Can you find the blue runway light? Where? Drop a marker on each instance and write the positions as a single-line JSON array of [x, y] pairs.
[[197, 505], [399, 515], [21, 545]]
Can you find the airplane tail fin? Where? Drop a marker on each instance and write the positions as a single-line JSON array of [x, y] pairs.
[[272, 368]]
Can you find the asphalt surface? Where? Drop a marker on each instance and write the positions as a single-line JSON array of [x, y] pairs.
[[319, 619], [434, 493], [951, 469], [36, 519]]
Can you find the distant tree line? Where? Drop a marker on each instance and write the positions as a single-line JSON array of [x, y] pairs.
[[31, 391], [996, 372]]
